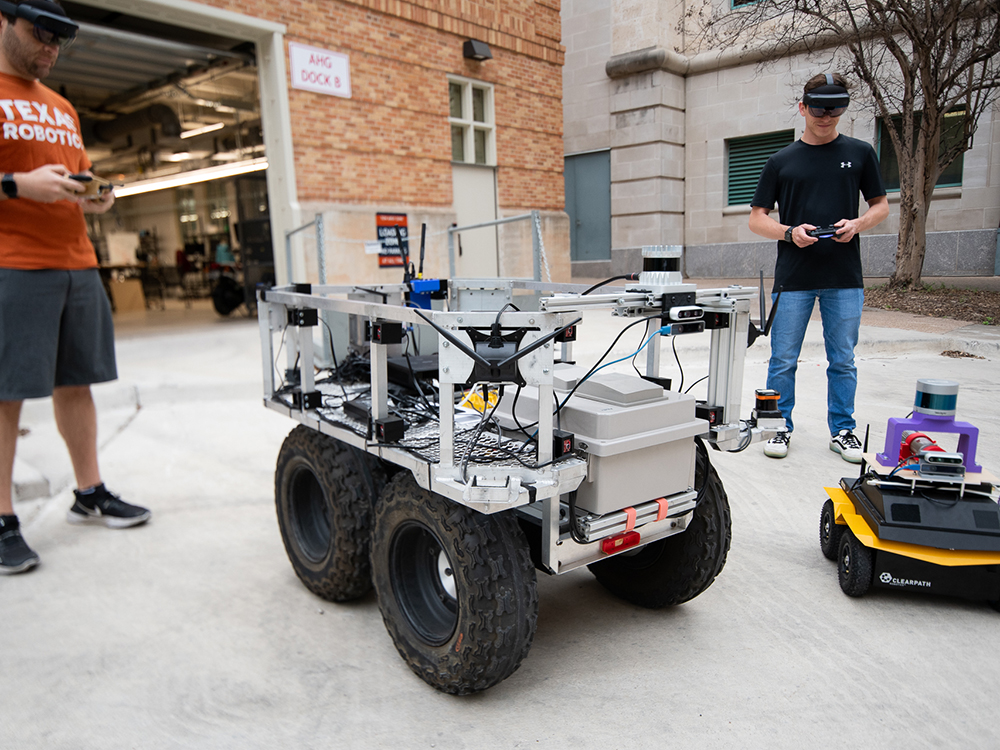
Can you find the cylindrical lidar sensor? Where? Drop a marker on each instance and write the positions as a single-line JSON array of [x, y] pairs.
[[936, 397]]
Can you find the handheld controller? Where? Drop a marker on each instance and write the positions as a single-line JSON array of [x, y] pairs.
[[95, 186], [823, 233]]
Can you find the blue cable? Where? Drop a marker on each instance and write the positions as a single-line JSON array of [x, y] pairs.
[[662, 331], [914, 466]]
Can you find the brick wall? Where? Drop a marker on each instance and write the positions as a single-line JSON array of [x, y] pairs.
[[391, 141]]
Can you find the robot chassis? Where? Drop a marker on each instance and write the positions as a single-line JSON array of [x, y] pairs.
[[918, 518], [615, 495]]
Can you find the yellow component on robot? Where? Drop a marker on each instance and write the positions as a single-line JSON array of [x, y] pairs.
[[474, 399], [845, 513]]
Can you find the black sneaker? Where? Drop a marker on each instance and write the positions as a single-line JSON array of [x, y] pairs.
[[15, 555], [106, 508]]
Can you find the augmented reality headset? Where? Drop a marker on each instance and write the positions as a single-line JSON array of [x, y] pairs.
[[50, 28], [830, 98]]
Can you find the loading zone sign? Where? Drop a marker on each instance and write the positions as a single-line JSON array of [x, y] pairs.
[[319, 70], [385, 227]]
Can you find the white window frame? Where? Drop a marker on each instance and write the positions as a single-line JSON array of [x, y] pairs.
[[469, 126]]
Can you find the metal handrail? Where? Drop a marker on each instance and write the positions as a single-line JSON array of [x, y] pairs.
[[537, 244], [537, 248]]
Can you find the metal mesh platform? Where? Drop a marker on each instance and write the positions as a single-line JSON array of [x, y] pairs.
[[423, 440]]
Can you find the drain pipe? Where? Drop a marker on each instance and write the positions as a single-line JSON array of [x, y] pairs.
[[996, 256]]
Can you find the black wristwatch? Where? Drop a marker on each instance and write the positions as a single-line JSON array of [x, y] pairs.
[[9, 186], [788, 235]]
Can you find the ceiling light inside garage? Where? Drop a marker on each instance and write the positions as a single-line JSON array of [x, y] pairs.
[[192, 177], [238, 154], [182, 156], [202, 130]]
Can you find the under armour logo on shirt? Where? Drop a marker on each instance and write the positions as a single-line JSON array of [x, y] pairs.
[[845, 165]]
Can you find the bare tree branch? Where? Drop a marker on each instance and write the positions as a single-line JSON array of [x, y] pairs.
[[932, 68]]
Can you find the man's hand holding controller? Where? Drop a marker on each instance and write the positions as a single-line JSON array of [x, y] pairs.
[[805, 235], [54, 182]]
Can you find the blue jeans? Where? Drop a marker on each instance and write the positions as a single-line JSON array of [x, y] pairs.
[[840, 310]]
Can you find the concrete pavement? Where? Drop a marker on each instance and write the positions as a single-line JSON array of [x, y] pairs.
[[193, 631]]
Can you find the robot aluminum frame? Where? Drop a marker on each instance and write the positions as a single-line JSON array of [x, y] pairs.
[[491, 488], [502, 488]]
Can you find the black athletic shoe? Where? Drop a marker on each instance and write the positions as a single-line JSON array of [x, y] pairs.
[[15, 555], [107, 509]]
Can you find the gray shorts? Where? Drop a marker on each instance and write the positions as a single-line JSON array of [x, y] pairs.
[[55, 330]]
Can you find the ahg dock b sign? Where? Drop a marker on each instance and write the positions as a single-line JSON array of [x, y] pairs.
[[319, 70]]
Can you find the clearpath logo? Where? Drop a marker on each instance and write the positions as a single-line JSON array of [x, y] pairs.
[[888, 580]]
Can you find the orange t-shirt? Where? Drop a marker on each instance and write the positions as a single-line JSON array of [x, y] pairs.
[[39, 127]]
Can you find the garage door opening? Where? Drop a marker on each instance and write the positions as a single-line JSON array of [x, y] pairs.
[[172, 116]]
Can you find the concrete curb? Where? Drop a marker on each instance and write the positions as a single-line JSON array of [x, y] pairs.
[[36, 477], [28, 483]]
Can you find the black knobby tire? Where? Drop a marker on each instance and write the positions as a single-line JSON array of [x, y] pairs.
[[456, 588], [324, 493], [676, 569], [227, 295], [829, 531], [854, 565]]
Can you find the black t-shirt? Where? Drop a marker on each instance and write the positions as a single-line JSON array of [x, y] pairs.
[[819, 185]]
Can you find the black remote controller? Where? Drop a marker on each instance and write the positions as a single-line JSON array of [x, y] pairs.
[[823, 233]]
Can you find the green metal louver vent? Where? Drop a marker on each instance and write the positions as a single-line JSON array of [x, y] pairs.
[[747, 157]]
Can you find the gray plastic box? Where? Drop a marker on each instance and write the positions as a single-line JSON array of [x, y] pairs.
[[637, 436]]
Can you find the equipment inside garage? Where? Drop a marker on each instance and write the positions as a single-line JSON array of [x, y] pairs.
[[172, 117]]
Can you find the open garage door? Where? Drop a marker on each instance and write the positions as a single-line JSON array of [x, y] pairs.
[[173, 117], [173, 114]]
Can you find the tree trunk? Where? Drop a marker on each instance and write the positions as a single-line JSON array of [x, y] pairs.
[[912, 233], [916, 187], [910, 249]]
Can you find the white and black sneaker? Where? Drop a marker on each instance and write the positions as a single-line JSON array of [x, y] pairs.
[[847, 445], [102, 507], [15, 554], [777, 447]]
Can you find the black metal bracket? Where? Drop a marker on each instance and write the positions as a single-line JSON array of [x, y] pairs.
[[493, 368], [303, 317]]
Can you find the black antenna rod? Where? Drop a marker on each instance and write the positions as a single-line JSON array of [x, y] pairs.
[[760, 294], [864, 450], [774, 308], [423, 240]]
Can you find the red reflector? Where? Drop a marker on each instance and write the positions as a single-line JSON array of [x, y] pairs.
[[617, 543]]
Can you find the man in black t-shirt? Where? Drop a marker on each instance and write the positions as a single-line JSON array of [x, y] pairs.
[[816, 182]]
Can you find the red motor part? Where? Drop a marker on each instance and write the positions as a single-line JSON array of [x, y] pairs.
[[915, 443]]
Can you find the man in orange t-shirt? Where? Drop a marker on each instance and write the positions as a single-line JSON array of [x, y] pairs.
[[56, 335]]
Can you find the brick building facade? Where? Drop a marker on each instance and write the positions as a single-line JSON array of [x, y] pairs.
[[395, 145], [388, 147]]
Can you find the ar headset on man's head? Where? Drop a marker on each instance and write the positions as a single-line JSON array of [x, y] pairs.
[[50, 21], [827, 99]]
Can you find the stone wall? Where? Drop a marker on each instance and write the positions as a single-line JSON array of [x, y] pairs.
[[963, 253], [666, 120]]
